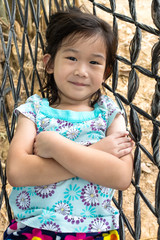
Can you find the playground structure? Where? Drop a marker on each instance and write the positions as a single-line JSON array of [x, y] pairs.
[[16, 84]]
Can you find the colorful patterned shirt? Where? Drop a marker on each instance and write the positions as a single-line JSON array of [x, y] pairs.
[[73, 205]]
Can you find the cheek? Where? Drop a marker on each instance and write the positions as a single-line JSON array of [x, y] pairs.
[[99, 77], [58, 75], [98, 84], [100, 72]]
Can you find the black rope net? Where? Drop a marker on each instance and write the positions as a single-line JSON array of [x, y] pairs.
[[22, 27]]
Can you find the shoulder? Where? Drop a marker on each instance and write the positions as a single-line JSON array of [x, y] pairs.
[[105, 103], [31, 107], [34, 101], [34, 98], [109, 108]]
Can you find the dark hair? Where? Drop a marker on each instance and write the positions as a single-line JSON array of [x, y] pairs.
[[71, 22]]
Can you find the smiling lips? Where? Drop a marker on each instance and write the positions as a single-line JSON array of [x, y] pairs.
[[79, 84]]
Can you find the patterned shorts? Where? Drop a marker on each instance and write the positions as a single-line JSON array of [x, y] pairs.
[[19, 231]]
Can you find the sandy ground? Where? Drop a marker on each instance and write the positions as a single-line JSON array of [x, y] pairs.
[[143, 100]]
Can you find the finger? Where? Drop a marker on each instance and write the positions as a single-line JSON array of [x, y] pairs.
[[124, 152], [34, 148], [124, 140], [126, 144], [121, 134]]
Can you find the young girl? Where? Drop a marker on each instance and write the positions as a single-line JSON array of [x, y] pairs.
[[71, 149]]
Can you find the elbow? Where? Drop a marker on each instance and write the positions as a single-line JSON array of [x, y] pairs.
[[13, 181], [13, 177], [124, 186], [16, 171], [126, 174], [124, 183]]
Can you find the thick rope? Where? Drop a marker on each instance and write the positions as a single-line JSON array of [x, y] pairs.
[[133, 85]]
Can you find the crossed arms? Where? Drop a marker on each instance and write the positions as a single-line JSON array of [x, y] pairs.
[[49, 157]]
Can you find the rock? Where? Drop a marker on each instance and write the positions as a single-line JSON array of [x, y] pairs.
[[145, 169]]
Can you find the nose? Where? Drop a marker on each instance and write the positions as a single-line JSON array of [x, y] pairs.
[[81, 71]]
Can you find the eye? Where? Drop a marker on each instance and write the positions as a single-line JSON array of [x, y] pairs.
[[94, 62], [72, 59]]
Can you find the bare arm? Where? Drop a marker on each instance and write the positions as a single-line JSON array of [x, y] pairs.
[[91, 164], [117, 141], [26, 169]]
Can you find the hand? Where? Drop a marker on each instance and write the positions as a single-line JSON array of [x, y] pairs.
[[118, 144], [43, 144]]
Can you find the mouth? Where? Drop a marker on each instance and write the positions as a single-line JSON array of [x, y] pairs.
[[79, 84]]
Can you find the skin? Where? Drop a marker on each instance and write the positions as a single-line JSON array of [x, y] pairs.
[[91, 164], [39, 160]]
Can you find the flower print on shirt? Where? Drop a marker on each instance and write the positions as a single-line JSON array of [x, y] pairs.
[[103, 191], [101, 101], [84, 205], [64, 208], [72, 193], [51, 226], [108, 207], [89, 211], [75, 178], [37, 105], [18, 188], [72, 133], [74, 219], [30, 115], [45, 191], [108, 105], [115, 221], [111, 109], [23, 200], [106, 204], [44, 123], [20, 216], [81, 229], [31, 210], [46, 216], [99, 125], [85, 143], [67, 130], [95, 136], [63, 125], [89, 195], [99, 225]]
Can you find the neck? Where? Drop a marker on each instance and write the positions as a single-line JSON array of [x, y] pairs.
[[78, 106]]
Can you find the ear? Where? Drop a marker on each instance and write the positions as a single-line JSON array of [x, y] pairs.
[[48, 65]]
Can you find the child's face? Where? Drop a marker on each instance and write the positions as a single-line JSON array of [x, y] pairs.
[[79, 69]]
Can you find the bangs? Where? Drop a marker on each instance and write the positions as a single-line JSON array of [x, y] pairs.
[[83, 36]]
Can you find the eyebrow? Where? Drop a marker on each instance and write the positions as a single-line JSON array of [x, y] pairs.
[[97, 55]]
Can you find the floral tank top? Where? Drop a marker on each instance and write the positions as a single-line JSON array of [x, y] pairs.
[[73, 205]]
